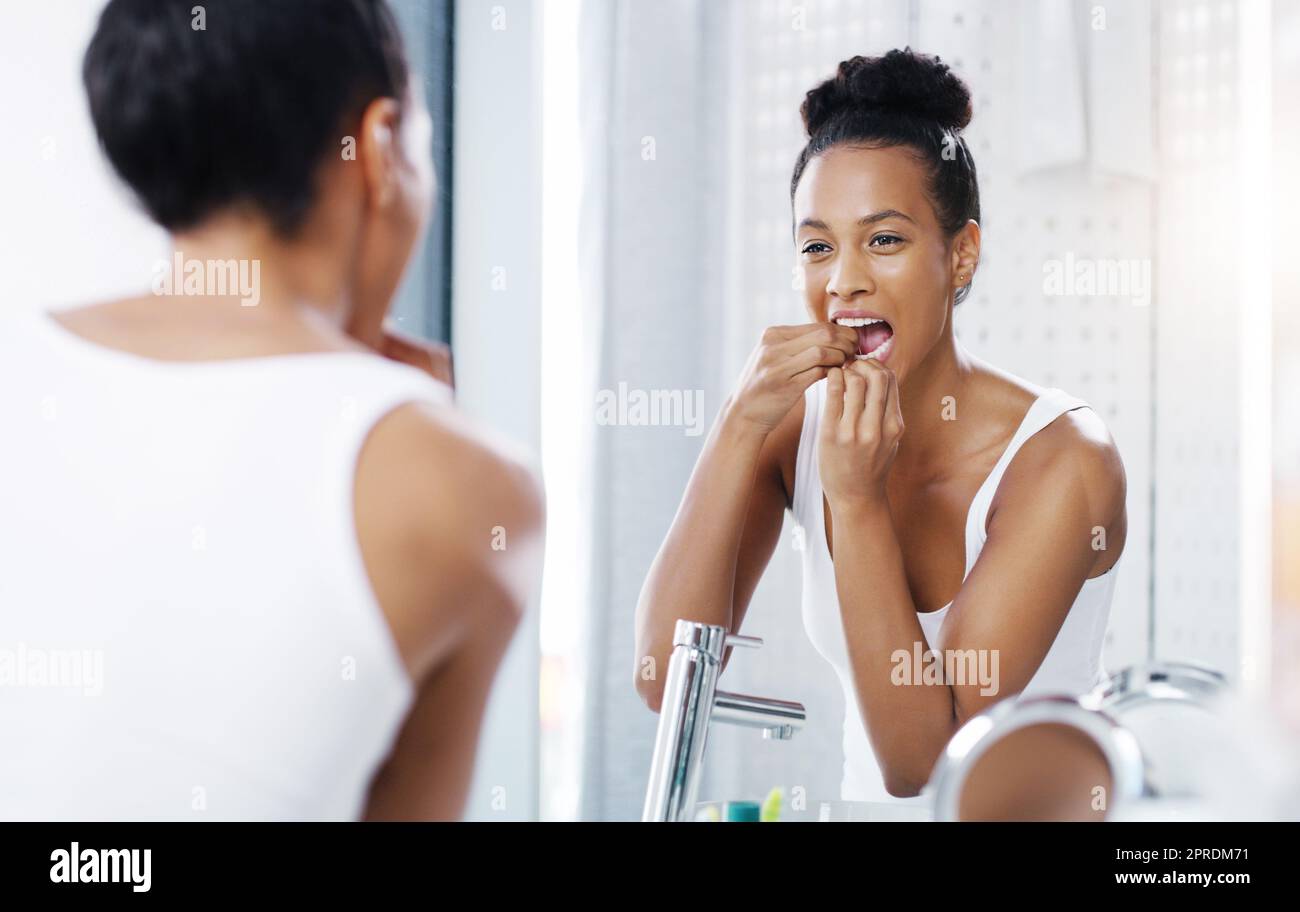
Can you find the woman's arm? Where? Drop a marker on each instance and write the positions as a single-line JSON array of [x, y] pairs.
[[1038, 552], [730, 517], [450, 525]]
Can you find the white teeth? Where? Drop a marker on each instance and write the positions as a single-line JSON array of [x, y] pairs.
[[879, 351]]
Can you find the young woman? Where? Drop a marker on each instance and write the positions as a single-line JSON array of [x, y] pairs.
[[947, 505], [283, 568]]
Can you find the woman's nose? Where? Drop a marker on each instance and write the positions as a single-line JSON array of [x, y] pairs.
[[849, 278]]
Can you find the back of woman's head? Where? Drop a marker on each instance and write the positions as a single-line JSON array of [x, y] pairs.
[[201, 107], [901, 99]]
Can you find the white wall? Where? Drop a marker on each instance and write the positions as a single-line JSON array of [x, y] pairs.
[[69, 233], [1213, 341]]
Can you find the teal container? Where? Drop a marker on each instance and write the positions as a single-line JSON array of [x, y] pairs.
[[741, 812]]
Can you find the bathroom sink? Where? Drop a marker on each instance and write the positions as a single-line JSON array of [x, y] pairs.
[[838, 811]]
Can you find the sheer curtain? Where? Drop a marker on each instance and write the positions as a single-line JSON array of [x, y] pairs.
[[645, 133]]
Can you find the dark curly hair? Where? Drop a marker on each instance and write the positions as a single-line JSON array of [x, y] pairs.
[[901, 99], [240, 106]]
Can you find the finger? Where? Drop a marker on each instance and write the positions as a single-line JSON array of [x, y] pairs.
[[397, 348], [427, 356], [873, 412], [893, 410], [443, 367], [777, 334], [397, 341], [834, 407], [844, 338], [819, 335], [815, 355], [863, 367], [807, 378], [855, 394]]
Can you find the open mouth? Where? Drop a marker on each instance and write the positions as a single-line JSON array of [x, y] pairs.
[[875, 335]]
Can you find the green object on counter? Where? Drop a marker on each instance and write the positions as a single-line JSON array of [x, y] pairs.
[[771, 809], [742, 812]]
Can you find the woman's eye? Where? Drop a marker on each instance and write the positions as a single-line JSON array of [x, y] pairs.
[[886, 240], [816, 247]]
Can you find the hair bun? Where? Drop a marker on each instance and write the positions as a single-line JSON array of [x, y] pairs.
[[901, 82]]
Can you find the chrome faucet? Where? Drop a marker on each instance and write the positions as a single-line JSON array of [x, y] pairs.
[[691, 700]]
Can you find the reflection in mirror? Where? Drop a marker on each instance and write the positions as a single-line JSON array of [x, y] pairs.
[[1041, 758], [1048, 771], [1173, 711], [1141, 734]]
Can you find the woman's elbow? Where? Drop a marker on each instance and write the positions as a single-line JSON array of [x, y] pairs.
[[903, 782], [902, 788], [647, 680], [651, 693]]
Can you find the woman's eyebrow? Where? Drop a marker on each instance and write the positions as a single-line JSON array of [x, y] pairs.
[[871, 219], [884, 214]]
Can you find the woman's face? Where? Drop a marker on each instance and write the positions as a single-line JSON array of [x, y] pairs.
[[870, 246], [416, 138], [399, 188]]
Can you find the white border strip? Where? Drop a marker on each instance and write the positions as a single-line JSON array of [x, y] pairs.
[[1255, 166]]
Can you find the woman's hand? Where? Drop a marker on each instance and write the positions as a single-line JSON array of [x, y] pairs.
[[860, 431], [434, 358], [788, 360]]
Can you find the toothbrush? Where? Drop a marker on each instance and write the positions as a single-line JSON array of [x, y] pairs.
[[770, 812]]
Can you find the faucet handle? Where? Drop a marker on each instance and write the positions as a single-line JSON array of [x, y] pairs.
[[712, 639]]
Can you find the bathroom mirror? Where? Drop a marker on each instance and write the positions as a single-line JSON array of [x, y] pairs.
[[1042, 758], [1157, 683], [620, 185], [685, 255], [1142, 733], [1170, 708]]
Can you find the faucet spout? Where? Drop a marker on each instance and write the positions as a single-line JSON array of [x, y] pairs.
[[691, 700], [778, 719]]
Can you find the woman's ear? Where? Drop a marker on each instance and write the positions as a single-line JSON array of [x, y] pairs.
[[966, 253], [379, 152]]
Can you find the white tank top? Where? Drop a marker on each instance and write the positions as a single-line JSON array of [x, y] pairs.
[[1073, 665], [187, 628]]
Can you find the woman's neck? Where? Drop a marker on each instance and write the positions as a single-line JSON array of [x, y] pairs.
[[931, 398], [290, 278]]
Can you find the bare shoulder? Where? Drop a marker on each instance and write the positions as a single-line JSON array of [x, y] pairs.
[[1076, 445], [1079, 444], [441, 455], [450, 521], [1072, 471], [148, 327]]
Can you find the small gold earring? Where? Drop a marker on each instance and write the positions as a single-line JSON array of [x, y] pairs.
[[961, 278]]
